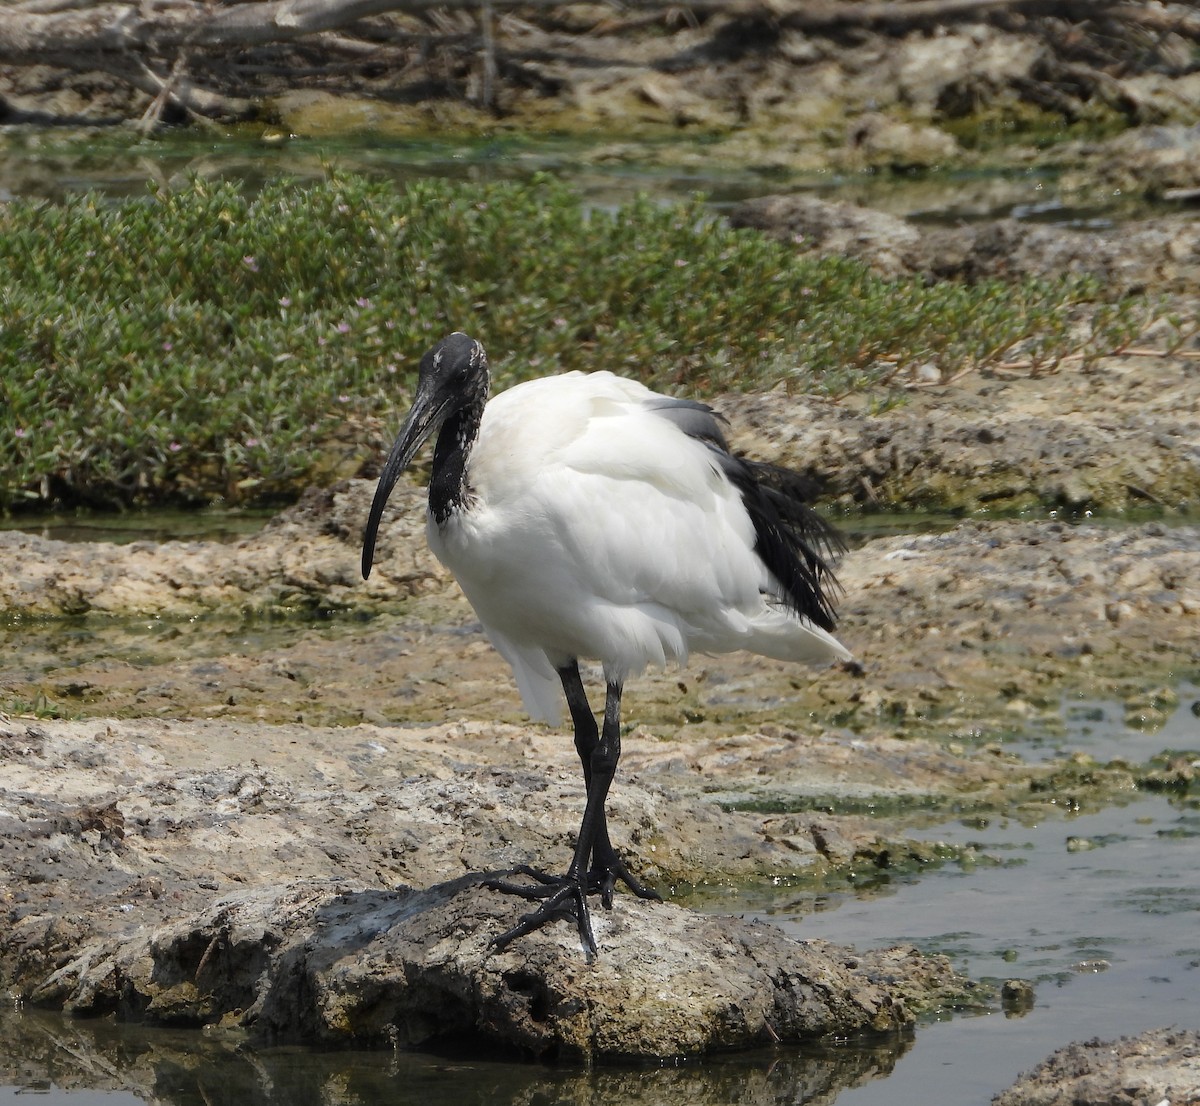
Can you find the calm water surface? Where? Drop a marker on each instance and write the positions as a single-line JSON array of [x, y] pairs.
[[604, 169]]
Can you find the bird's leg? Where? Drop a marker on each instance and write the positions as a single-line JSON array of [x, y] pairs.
[[569, 897], [606, 865], [595, 865], [587, 736]]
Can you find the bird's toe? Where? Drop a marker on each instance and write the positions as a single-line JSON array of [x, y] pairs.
[[569, 900]]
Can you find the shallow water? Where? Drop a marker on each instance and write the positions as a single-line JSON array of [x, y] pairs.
[[1100, 911], [223, 524], [604, 169], [1109, 935]]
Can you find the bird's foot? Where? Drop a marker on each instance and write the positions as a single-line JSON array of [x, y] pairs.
[[561, 897], [607, 869], [602, 880], [544, 886], [565, 896]]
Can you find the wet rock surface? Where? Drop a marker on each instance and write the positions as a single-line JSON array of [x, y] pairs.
[[1162, 253], [1159, 1066], [1158, 161], [303, 560], [245, 858], [1003, 444], [940, 622], [344, 964], [121, 835], [196, 874]]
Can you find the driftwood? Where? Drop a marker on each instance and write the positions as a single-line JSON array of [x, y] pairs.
[[180, 51], [38, 27]]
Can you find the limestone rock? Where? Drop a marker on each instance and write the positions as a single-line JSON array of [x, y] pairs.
[[1156, 1067], [337, 963]]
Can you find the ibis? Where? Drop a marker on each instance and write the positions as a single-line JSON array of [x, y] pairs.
[[588, 518]]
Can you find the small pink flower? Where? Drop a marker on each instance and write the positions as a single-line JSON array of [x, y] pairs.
[[285, 301], [168, 346], [251, 443], [250, 262], [174, 447], [21, 432], [343, 399], [362, 301], [343, 327]]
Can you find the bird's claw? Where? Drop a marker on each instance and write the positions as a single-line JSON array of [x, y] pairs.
[[569, 900], [565, 896], [545, 886], [603, 878]]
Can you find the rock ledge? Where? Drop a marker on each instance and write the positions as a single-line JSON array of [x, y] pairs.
[[333, 963]]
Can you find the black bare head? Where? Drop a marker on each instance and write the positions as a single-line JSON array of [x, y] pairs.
[[453, 378]]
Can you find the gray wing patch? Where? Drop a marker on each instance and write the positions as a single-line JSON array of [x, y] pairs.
[[695, 419], [793, 541]]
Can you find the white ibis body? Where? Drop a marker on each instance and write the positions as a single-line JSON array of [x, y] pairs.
[[587, 517]]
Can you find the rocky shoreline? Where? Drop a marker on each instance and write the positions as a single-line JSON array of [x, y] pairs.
[[140, 851], [257, 742], [243, 789]]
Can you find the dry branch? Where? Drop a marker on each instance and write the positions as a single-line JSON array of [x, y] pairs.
[[137, 41], [59, 26]]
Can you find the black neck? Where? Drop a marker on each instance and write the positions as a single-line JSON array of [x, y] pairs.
[[448, 488]]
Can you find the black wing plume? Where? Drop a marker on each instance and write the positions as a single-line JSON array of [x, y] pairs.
[[794, 542]]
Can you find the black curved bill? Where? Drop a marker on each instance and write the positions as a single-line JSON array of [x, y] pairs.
[[425, 417]]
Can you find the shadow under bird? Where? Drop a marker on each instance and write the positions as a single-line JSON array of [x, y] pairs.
[[587, 517]]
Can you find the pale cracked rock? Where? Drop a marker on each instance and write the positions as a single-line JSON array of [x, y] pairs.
[[334, 963], [1160, 1067]]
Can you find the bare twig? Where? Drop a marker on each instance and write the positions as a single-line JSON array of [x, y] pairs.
[[200, 103], [136, 39], [170, 24], [151, 116], [487, 27]]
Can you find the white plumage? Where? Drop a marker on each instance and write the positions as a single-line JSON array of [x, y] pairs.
[[599, 529], [587, 517]]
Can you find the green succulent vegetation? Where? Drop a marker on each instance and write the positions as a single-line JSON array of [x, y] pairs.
[[210, 344]]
